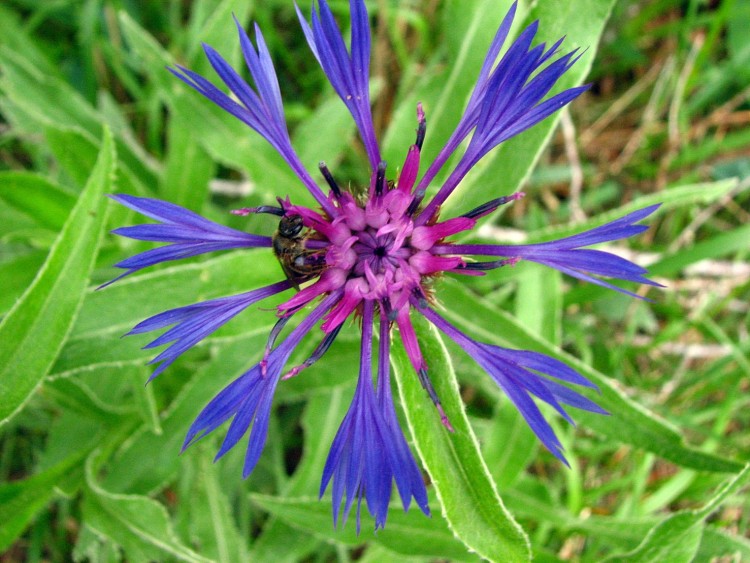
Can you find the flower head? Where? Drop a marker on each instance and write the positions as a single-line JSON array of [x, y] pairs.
[[374, 255]]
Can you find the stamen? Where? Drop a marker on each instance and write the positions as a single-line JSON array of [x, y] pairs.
[[415, 203], [422, 127], [272, 336], [380, 178], [329, 178], [420, 296], [481, 266], [490, 206], [272, 209], [318, 353], [388, 311], [427, 386]]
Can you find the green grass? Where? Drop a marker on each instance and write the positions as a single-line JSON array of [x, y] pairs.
[[89, 457]]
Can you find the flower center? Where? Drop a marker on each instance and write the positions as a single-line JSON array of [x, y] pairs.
[[372, 249]]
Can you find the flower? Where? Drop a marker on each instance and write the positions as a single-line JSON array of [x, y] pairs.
[[375, 256]]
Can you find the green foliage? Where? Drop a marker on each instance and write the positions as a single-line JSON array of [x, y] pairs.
[[461, 479], [34, 330], [90, 464]]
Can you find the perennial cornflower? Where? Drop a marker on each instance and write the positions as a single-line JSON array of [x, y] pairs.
[[374, 256]]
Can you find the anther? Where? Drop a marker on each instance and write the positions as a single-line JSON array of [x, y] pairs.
[[427, 385], [481, 266], [329, 178], [380, 178], [318, 353], [490, 206], [273, 335], [422, 127], [415, 203], [272, 209], [420, 296], [390, 314]]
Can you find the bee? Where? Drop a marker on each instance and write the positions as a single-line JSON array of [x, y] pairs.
[[299, 263]]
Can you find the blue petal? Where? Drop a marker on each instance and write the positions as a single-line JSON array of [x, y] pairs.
[[508, 105], [194, 322], [248, 398], [349, 75], [406, 473], [548, 366], [510, 370], [369, 450], [566, 255], [189, 234], [471, 113], [262, 110]]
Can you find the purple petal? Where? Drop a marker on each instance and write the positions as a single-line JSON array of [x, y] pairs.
[[248, 398], [194, 322], [548, 365], [349, 75], [406, 472], [262, 110], [533, 417], [471, 114], [369, 450], [623, 227], [510, 370], [508, 105], [565, 395], [596, 281], [566, 256], [189, 233]]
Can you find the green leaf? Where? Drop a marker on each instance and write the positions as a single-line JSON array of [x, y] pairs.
[[508, 445], [76, 150], [106, 315], [645, 429], [129, 473], [405, 533], [50, 102], [324, 135], [469, 500], [720, 245], [47, 98], [47, 203], [208, 518], [211, 23], [141, 526], [283, 543], [539, 302], [17, 273], [20, 501], [678, 538], [35, 329], [188, 167], [720, 543], [677, 197]]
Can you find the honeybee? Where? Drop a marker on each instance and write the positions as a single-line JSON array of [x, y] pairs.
[[299, 263]]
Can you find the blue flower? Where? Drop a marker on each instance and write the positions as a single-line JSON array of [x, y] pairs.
[[375, 258]]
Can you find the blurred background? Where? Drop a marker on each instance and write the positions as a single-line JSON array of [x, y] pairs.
[[89, 456]]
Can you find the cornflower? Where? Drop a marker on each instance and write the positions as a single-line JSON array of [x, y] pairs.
[[375, 256]]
